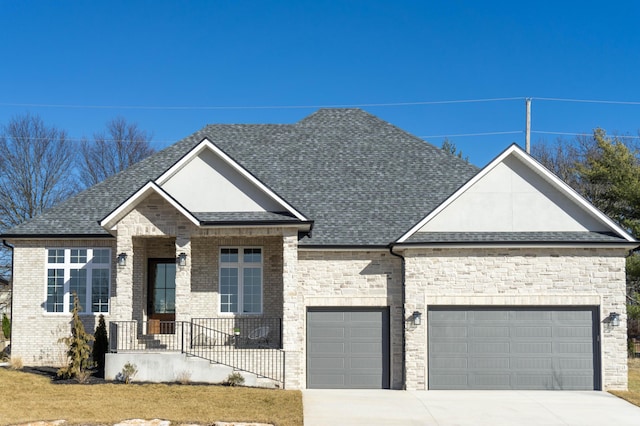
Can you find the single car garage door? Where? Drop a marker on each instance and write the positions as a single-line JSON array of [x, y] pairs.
[[513, 348], [347, 348]]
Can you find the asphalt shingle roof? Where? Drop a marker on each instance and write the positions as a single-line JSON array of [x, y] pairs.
[[361, 180]]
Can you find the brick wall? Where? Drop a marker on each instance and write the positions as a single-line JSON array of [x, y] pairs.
[[518, 277], [350, 279], [35, 333]]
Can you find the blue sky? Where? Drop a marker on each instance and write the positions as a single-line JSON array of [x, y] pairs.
[[239, 53]]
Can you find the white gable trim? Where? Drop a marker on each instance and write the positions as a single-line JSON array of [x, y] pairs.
[[206, 144], [115, 216], [516, 151]]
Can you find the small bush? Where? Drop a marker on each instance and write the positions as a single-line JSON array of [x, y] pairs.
[[184, 377], [100, 346], [78, 349], [128, 372], [6, 326], [16, 363], [234, 379]]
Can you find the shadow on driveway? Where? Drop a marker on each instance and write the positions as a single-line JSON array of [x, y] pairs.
[[473, 408]]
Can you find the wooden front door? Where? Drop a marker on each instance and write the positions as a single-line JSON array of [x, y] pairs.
[[162, 296]]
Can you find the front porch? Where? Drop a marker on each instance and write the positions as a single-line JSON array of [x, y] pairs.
[[246, 345]]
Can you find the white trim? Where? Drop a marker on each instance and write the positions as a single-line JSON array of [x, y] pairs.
[[207, 144], [115, 216], [516, 151], [486, 245]]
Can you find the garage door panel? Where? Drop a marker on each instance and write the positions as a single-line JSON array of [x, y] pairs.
[[489, 332], [328, 348], [451, 348], [491, 381], [532, 315], [347, 348], [451, 332], [491, 363], [489, 347], [480, 316], [513, 348], [450, 363], [529, 332], [531, 348]]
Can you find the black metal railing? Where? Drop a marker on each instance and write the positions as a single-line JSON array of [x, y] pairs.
[[260, 333], [247, 344]]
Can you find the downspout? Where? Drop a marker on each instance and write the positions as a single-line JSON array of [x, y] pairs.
[[10, 247], [404, 328]]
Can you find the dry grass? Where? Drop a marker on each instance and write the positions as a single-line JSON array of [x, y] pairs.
[[29, 397], [633, 394]]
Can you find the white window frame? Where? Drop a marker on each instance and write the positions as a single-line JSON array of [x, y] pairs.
[[67, 266], [240, 265]]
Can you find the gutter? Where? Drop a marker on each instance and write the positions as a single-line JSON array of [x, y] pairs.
[[10, 247], [404, 328]]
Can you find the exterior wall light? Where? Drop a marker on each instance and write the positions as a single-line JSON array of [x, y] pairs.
[[182, 259], [122, 259], [417, 317], [614, 319]]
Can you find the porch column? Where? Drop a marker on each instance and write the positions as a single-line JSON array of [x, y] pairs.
[[122, 289], [183, 277], [292, 313]]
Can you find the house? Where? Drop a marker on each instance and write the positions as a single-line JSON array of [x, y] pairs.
[[336, 252]]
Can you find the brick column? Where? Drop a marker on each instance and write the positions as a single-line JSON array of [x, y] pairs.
[[183, 278], [122, 303], [293, 313]]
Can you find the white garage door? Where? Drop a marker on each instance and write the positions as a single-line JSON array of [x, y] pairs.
[[513, 348]]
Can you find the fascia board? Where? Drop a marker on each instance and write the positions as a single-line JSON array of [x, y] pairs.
[[207, 144], [114, 217], [516, 151]]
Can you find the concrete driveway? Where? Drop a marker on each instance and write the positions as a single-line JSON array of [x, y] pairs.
[[476, 408]]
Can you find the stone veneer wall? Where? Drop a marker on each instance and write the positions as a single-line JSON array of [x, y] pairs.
[[562, 276], [36, 332], [350, 279]]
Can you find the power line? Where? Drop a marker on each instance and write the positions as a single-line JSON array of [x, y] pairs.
[[583, 134], [589, 101], [221, 107], [473, 134]]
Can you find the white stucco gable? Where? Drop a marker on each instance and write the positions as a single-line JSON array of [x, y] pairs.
[[515, 193], [207, 180]]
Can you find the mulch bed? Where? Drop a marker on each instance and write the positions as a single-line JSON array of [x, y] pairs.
[[52, 373]]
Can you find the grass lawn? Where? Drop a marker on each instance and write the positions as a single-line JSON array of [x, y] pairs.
[[30, 397], [633, 394]]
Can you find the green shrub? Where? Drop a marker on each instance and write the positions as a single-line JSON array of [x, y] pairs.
[[234, 379], [78, 348], [6, 326], [128, 372], [100, 346]]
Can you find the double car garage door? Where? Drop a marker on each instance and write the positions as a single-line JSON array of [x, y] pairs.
[[468, 348], [513, 348]]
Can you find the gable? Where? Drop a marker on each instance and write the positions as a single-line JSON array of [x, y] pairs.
[[515, 194], [206, 183], [513, 198]]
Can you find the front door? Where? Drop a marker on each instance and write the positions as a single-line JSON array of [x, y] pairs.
[[162, 296]]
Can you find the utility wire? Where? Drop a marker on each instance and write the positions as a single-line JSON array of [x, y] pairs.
[[473, 134], [459, 101], [588, 101]]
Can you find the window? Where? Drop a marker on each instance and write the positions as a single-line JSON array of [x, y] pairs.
[[85, 272], [241, 280]]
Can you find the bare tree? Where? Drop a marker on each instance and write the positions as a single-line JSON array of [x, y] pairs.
[[110, 152], [36, 171], [36, 165]]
